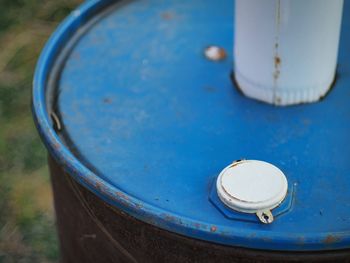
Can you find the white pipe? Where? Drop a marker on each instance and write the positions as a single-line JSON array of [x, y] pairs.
[[285, 51]]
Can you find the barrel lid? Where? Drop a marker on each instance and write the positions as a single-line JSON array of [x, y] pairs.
[[126, 101]]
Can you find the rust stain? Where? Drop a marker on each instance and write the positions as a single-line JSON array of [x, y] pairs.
[[85, 180], [172, 219], [277, 61], [122, 196], [277, 58], [98, 185], [56, 145], [215, 53], [167, 15], [331, 239], [213, 229], [123, 199], [222, 53], [278, 100], [237, 162]]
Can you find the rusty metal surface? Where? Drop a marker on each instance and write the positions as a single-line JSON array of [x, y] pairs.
[[146, 126], [93, 231]]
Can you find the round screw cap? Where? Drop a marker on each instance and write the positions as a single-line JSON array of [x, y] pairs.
[[251, 186]]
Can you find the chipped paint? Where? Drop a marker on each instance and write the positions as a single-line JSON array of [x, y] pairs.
[[331, 239], [215, 53]]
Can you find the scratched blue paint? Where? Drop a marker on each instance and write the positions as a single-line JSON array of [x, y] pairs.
[[149, 123]]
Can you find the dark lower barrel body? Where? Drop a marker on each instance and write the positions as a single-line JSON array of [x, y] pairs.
[[90, 230]]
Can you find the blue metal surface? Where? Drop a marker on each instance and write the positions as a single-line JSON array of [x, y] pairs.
[[148, 124]]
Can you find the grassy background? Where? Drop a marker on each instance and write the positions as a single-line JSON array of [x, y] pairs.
[[27, 224]]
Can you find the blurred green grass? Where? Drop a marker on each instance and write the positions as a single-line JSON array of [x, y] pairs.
[[27, 224]]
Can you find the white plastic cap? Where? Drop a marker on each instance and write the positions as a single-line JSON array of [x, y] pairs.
[[251, 186]]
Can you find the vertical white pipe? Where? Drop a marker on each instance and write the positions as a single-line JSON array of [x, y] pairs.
[[286, 50]]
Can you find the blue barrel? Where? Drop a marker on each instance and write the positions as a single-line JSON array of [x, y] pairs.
[[138, 124]]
